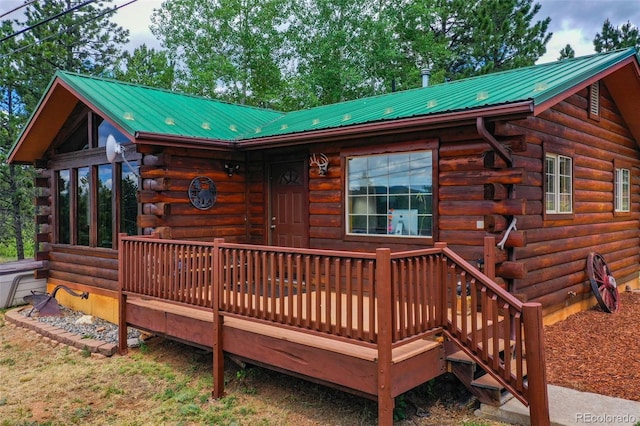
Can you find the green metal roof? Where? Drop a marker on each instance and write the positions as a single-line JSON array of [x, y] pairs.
[[144, 109], [139, 109], [537, 84]]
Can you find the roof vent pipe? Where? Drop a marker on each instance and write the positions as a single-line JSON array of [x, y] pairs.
[[426, 73]]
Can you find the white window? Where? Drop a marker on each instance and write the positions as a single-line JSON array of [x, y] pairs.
[[559, 192], [390, 194], [622, 190]]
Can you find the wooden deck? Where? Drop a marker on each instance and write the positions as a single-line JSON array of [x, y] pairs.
[[319, 358], [369, 323]]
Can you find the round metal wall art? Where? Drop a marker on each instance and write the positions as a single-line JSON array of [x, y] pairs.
[[202, 193]]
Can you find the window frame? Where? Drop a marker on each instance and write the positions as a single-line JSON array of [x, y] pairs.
[[365, 151], [91, 158], [555, 214], [621, 166]]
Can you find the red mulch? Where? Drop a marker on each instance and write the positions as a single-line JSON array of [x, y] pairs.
[[593, 351]]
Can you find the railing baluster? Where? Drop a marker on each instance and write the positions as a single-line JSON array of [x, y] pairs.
[[484, 339], [349, 274], [399, 298], [359, 294], [308, 290], [372, 304], [496, 335], [506, 333], [264, 284], [338, 292], [318, 292]]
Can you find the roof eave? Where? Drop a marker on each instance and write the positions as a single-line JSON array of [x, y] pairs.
[[163, 139], [505, 111]]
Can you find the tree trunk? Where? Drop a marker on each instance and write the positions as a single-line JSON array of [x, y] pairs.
[[15, 210], [13, 189]]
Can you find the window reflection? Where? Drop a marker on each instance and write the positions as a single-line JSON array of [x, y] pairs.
[[390, 194], [64, 207], [105, 205], [105, 129], [83, 210], [128, 200]]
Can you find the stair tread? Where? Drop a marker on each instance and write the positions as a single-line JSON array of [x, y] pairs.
[[488, 382], [501, 345], [460, 356]]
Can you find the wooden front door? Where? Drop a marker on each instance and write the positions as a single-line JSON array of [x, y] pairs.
[[288, 221]]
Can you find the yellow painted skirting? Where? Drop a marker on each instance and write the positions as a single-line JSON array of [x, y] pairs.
[[97, 305]]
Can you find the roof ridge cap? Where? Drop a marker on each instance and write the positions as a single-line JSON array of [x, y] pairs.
[[111, 80]]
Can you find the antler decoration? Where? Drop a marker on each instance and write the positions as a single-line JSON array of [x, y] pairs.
[[321, 162]]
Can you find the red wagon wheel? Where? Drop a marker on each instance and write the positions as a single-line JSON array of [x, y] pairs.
[[602, 283]]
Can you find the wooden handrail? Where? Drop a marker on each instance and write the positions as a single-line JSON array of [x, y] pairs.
[[377, 299]]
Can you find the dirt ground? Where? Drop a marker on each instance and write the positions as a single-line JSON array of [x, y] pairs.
[[163, 382], [593, 351]]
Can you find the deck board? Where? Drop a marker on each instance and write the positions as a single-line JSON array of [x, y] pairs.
[[302, 337]]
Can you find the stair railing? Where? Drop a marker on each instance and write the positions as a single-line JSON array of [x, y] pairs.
[[499, 332]]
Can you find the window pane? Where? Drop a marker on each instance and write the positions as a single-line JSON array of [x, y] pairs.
[[83, 210], [625, 190], [565, 184], [64, 207], [551, 184], [128, 201], [622, 190], [105, 129], [559, 191], [105, 209], [390, 194]]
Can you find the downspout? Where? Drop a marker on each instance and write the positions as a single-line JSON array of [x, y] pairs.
[[506, 156], [488, 137]]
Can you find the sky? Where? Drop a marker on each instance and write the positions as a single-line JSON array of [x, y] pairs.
[[574, 22]]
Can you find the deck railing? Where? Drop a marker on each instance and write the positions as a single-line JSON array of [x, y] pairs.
[[330, 292], [382, 299]]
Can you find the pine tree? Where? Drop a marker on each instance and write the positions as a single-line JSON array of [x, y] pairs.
[[567, 52], [83, 40], [612, 38]]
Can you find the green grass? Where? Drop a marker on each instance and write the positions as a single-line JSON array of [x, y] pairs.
[[8, 252]]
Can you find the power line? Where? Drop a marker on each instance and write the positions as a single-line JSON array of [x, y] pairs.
[[49, 19], [93, 18], [18, 8]]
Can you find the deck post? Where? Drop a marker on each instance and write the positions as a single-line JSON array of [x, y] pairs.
[[218, 353], [490, 257], [536, 373], [383, 289], [122, 320], [441, 286]]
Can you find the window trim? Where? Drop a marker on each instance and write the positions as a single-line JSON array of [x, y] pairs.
[[554, 215], [418, 145], [621, 165], [90, 158]]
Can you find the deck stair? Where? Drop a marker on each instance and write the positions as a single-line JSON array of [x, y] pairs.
[[481, 384]]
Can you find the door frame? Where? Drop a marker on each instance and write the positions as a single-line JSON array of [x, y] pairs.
[[280, 158]]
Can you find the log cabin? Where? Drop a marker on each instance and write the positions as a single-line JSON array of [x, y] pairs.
[[514, 177]]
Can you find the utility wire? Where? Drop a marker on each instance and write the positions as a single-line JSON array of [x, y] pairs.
[[17, 8], [49, 19], [93, 18]]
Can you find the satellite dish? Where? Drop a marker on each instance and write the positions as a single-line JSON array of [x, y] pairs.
[[114, 149]]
